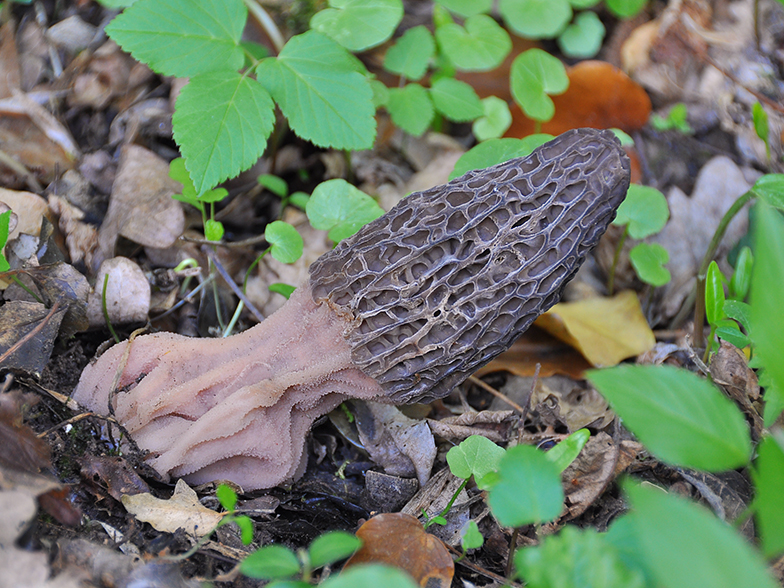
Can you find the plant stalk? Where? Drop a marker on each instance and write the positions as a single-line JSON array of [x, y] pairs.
[[266, 22]]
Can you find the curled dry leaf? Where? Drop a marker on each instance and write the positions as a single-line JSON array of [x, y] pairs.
[[588, 475], [181, 511], [599, 95], [141, 207], [605, 330], [80, 238], [399, 540], [493, 424], [113, 472]]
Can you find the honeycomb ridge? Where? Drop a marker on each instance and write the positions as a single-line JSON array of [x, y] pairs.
[[451, 276]]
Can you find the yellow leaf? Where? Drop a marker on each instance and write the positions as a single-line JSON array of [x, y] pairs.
[[181, 511], [605, 330]]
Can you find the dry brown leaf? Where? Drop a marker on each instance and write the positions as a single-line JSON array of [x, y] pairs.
[[115, 473], [605, 330], [587, 476], [29, 209], [399, 540], [181, 511], [10, 78], [599, 95], [27, 334]]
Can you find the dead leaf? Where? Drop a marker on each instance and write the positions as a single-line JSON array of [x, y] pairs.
[[493, 424], [27, 334], [127, 294], [181, 511], [605, 330], [10, 78], [115, 473], [80, 238], [62, 283], [28, 207], [399, 540], [141, 207], [402, 446], [587, 476], [600, 96]]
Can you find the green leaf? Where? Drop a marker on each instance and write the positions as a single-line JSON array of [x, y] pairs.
[[622, 535], [685, 545], [536, 19], [583, 4], [681, 419], [496, 151], [482, 45], [411, 53], [760, 118], [226, 496], [274, 184], [648, 260], [456, 100], [359, 24], [270, 563], [740, 282], [476, 456], [283, 289], [288, 584], [467, 8], [770, 188], [370, 575], [221, 123], [767, 319], [528, 490], [774, 399], [380, 93], [5, 219], [563, 454], [285, 242], [494, 122], [534, 75], [768, 476], [246, 529], [183, 38], [677, 119], [714, 294], [472, 537], [299, 199], [340, 208], [583, 38], [626, 140], [574, 558], [625, 8], [411, 108], [331, 547], [213, 230], [318, 88], [730, 332], [739, 311], [645, 210]]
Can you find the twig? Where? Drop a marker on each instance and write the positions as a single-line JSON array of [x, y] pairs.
[[488, 388], [16, 346], [234, 288]]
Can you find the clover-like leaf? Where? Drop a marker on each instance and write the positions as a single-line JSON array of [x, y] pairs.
[[359, 24], [182, 38], [411, 53], [648, 260], [271, 563], [479, 46], [286, 243], [221, 124], [496, 151], [340, 208], [495, 120], [536, 19], [534, 75], [644, 210], [467, 8], [411, 108], [583, 38], [625, 8], [456, 100], [318, 88], [331, 547], [476, 456]]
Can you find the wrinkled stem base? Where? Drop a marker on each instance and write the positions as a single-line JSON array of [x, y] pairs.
[[238, 408]]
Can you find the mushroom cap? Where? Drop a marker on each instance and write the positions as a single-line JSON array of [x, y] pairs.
[[451, 276]]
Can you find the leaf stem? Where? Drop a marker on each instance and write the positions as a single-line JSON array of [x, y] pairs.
[[699, 303], [106, 310], [266, 22]]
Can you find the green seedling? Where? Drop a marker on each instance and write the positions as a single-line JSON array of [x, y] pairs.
[[105, 310], [761, 125], [495, 120], [5, 220], [583, 38], [534, 77], [643, 213], [341, 209], [676, 119], [359, 25], [725, 315], [279, 563], [496, 151]]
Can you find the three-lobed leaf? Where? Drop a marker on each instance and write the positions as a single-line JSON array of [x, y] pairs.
[[685, 545], [221, 122], [480, 45], [681, 419], [340, 208], [319, 89], [358, 24], [535, 75], [182, 38]]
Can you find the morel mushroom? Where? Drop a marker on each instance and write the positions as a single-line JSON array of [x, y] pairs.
[[403, 311]]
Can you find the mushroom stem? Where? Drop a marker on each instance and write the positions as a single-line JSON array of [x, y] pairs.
[[237, 408]]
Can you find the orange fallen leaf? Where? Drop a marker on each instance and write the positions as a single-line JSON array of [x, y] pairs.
[[399, 540], [600, 96], [605, 330]]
